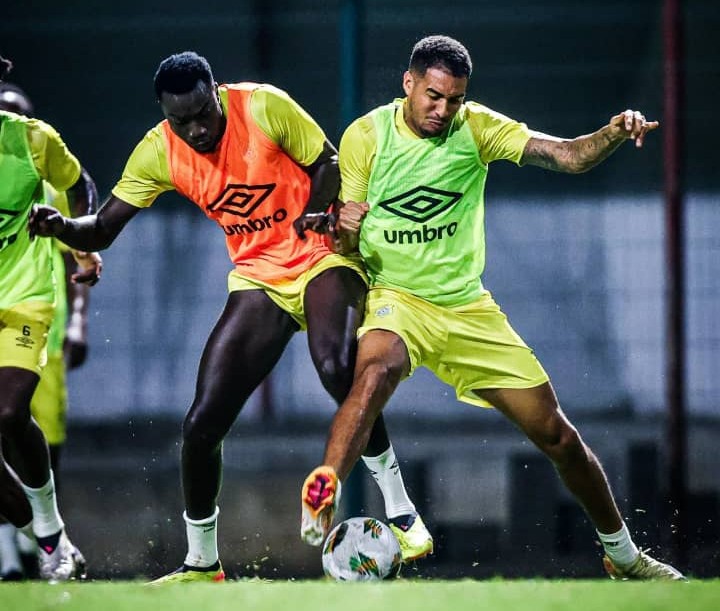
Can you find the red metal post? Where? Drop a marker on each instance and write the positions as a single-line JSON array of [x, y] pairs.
[[673, 141]]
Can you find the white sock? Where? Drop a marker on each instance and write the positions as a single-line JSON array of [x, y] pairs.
[[46, 517], [619, 547], [385, 470], [9, 556], [202, 540]]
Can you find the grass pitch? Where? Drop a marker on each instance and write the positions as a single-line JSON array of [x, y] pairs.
[[399, 595]]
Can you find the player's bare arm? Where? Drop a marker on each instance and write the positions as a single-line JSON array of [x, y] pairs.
[[583, 153], [83, 196], [324, 188], [87, 233], [83, 200]]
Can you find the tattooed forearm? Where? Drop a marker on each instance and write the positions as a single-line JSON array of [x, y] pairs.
[[573, 156]]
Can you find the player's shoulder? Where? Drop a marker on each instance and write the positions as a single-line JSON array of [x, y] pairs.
[[478, 113], [472, 109], [37, 128], [264, 91], [155, 136], [151, 146], [364, 126], [40, 134]]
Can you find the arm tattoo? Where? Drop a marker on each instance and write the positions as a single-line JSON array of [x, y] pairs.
[[573, 156]]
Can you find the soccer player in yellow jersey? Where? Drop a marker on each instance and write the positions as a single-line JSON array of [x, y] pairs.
[[66, 349], [32, 153], [413, 176], [259, 166]]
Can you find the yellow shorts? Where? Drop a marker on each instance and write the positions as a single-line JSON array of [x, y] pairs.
[[289, 295], [49, 403], [470, 347], [23, 334]]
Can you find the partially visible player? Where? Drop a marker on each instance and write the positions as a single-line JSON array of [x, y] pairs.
[[31, 154], [413, 181], [66, 349], [259, 166]]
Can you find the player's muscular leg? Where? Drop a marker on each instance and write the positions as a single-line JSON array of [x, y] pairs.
[[537, 413], [24, 446], [334, 308], [382, 362], [242, 349], [14, 506]]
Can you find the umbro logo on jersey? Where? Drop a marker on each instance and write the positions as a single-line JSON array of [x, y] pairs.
[[421, 203], [241, 200]]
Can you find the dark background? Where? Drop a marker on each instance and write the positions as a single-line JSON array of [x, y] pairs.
[[563, 67]]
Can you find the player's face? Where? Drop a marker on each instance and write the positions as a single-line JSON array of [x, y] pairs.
[[196, 116], [432, 100]]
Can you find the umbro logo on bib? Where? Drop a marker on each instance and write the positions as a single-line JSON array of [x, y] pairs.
[[241, 200], [421, 203]]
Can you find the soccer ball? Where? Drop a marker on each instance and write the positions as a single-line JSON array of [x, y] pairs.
[[361, 549]]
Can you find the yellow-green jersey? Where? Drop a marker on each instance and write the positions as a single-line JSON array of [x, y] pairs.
[[424, 232], [31, 152]]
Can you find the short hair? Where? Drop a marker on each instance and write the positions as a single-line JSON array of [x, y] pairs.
[[181, 72], [440, 51], [5, 67]]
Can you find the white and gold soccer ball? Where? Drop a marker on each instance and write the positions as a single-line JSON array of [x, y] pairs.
[[361, 549]]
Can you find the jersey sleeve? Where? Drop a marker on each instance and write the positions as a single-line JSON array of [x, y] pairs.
[[146, 174], [287, 124], [52, 158], [357, 152], [497, 136]]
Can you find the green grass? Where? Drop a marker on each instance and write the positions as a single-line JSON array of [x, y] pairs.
[[400, 595]]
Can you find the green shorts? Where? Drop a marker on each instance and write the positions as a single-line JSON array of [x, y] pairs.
[[470, 347], [289, 295], [23, 335]]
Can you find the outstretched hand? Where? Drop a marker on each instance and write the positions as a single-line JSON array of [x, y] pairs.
[[90, 264], [633, 125], [75, 353], [45, 221]]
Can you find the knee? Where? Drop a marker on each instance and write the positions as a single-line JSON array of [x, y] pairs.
[[199, 431], [13, 421], [336, 373], [564, 446], [378, 376]]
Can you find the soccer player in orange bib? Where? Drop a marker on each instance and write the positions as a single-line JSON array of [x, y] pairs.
[[256, 163]]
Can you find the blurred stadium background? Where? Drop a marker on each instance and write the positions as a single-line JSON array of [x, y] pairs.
[[577, 262]]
